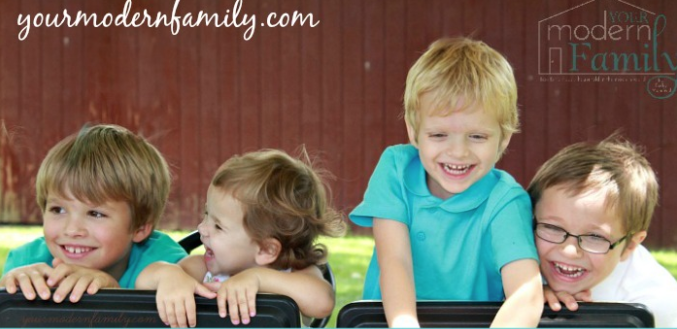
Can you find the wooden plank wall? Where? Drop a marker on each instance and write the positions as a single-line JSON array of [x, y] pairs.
[[206, 93]]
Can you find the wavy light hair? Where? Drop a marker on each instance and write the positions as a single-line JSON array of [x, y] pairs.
[[461, 73]]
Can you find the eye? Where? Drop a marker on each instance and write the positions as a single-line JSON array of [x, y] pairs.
[[96, 214], [552, 229], [437, 135], [478, 137], [218, 227], [596, 238], [56, 210]]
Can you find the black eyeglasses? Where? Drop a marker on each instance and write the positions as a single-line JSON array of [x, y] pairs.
[[591, 243]]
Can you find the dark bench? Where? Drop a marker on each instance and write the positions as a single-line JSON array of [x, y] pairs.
[[447, 314]]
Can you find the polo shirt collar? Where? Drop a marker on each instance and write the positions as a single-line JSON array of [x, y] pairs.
[[473, 197]]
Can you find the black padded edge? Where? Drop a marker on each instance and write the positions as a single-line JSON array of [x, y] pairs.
[[133, 308], [447, 314], [190, 241]]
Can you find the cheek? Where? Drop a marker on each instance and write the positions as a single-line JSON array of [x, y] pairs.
[[50, 228], [604, 263], [543, 248], [114, 238]]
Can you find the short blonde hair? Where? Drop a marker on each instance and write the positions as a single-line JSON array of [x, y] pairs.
[[614, 166], [460, 73], [103, 163], [283, 198]]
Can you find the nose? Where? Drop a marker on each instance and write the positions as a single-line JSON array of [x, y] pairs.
[[202, 228], [457, 148], [571, 248], [75, 227]]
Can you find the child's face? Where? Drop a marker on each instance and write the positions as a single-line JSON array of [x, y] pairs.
[[565, 266], [89, 235], [456, 150], [229, 249]]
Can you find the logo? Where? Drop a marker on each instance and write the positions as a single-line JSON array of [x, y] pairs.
[[611, 41]]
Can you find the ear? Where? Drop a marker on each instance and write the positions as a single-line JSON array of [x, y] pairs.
[[504, 143], [634, 241], [412, 134], [142, 233], [268, 251]]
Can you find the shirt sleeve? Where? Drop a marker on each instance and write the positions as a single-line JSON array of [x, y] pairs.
[[384, 195], [158, 247], [33, 252], [512, 236]]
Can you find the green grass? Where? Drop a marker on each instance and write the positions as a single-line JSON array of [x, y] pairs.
[[348, 256], [667, 258]]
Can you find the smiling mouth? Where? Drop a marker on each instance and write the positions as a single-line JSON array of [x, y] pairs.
[[77, 250], [456, 169], [209, 253], [568, 270]]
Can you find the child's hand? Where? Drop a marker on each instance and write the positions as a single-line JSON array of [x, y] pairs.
[[553, 298], [30, 279], [77, 280], [175, 298], [239, 293]]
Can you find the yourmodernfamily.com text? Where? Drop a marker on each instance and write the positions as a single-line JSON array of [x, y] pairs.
[[174, 20]]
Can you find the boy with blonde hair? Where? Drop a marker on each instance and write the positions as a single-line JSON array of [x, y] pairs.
[[101, 192], [265, 211], [603, 195], [447, 224]]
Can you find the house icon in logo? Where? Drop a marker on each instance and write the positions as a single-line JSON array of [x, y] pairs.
[[563, 38]]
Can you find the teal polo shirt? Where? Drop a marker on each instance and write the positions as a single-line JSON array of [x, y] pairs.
[[157, 247], [460, 244]]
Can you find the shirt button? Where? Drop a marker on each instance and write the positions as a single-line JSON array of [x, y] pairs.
[[420, 236]]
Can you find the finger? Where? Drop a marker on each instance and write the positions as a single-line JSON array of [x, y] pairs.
[[10, 284], [213, 286], [65, 287], [26, 285], [243, 305], [38, 281], [221, 302], [190, 312], [58, 274], [161, 311], [568, 300], [204, 291], [234, 307], [79, 288], [171, 315], [180, 311], [251, 300], [552, 300], [57, 261], [585, 296], [94, 286]]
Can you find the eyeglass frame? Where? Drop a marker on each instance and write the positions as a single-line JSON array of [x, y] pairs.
[[579, 238]]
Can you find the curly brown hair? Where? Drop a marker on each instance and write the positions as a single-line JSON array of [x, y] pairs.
[[283, 198]]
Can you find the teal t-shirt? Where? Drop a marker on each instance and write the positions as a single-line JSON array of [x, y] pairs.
[[460, 244], [158, 247]]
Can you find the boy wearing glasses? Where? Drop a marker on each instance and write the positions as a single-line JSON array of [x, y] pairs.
[[592, 208]]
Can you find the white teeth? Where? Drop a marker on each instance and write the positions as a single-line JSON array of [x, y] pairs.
[[570, 271], [456, 169], [77, 250]]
